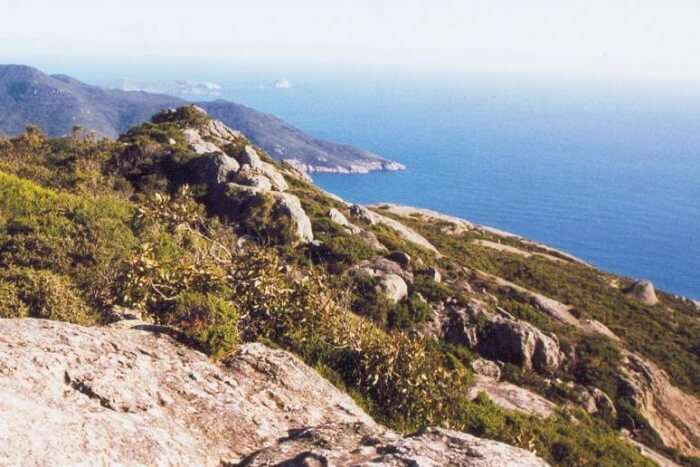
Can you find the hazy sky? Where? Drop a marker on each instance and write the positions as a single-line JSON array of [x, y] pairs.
[[634, 38]]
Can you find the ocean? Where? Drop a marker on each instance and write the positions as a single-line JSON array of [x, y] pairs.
[[606, 170]]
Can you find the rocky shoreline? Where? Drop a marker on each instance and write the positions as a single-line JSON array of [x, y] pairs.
[[350, 168]]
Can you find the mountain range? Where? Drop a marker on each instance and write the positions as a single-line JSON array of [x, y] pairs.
[[57, 103]]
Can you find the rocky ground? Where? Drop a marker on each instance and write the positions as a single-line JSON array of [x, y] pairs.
[[131, 394]]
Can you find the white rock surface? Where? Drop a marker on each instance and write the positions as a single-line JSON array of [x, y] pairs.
[[340, 219], [511, 397], [393, 286], [673, 413], [250, 157], [198, 144], [405, 232], [291, 206], [643, 291], [117, 396], [454, 225]]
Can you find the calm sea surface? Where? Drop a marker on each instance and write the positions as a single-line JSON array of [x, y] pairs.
[[607, 171]]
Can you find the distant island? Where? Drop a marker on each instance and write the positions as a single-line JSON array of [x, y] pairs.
[[179, 88], [282, 84]]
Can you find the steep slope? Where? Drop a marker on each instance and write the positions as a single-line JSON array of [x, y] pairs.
[[57, 103]]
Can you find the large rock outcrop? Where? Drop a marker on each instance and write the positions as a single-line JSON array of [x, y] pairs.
[[520, 343], [370, 217], [500, 336], [643, 291], [131, 394], [674, 414], [392, 277], [235, 182]]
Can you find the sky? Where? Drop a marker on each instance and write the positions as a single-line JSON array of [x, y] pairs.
[[629, 38]]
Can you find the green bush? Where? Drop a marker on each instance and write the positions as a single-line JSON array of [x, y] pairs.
[[48, 295], [409, 312], [433, 291], [341, 251], [597, 362], [184, 116], [210, 320], [368, 300], [255, 214], [83, 238], [11, 305]]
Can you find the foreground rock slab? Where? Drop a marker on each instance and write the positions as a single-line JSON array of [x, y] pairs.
[[131, 394], [345, 445]]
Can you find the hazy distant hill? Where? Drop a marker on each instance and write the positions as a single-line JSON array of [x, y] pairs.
[[56, 103]]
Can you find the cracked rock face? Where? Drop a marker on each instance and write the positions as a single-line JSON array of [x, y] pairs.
[[130, 394], [521, 343], [75, 395], [352, 444], [674, 414]]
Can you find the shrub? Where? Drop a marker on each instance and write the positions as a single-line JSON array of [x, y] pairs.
[[409, 312], [188, 115], [48, 295], [256, 215], [597, 360], [431, 290], [210, 320], [368, 300], [340, 251], [82, 238], [11, 306]]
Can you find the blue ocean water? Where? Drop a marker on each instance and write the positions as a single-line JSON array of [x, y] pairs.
[[607, 170], [610, 173]]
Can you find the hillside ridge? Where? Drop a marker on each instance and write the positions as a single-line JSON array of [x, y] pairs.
[[57, 103]]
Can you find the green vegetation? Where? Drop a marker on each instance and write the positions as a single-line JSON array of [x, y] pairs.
[[11, 305], [666, 335], [597, 360], [183, 117], [47, 295], [210, 320]]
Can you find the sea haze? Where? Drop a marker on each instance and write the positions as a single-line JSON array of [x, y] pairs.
[[608, 171]]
